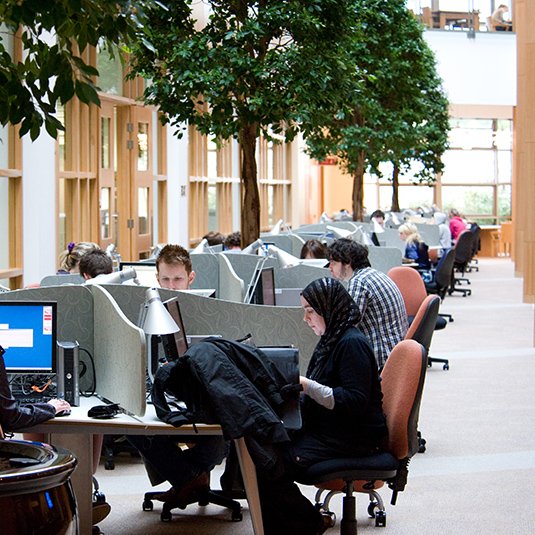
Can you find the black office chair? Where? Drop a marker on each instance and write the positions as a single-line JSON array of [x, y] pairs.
[[423, 327], [402, 383], [215, 497], [463, 255], [476, 246], [442, 278]]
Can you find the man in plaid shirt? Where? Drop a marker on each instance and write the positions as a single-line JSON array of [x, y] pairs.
[[383, 314]]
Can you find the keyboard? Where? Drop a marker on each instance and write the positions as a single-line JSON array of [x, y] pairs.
[[32, 399]]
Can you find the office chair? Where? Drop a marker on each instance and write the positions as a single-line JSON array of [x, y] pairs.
[[215, 497], [442, 278], [402, 383], [423, 326], [476, 246], [463, 255], [413, 290]]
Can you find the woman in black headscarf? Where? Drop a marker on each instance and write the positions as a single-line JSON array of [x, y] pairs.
[[341, 407]]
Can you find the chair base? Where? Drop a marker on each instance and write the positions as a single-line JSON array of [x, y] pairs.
[[445, 362], [376, 509], [215, 497]]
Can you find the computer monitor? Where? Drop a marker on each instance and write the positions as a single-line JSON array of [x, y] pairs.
[[145, 273], [264, 293], [176, 344], [28, 333]]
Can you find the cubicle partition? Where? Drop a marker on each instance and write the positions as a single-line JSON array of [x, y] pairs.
[[91, 317], [291, 243], [206, 316]]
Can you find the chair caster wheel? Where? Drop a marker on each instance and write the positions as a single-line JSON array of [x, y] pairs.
[[380, 519], [371, 509], [446, 367], [148, 505], [165, 516], [237, 516]]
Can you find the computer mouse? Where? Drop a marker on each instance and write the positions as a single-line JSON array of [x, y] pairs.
[[63, 413]]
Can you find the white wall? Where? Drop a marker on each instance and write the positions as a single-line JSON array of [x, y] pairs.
[[479, 71], [39, 207], [177, 179]]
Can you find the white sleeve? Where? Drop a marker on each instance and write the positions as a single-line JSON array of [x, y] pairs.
[[320, 394]]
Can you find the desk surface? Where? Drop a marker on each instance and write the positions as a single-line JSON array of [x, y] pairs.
[[122, 424], [75, 433]]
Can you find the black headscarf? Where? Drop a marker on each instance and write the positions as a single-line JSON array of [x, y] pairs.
[[332, 302]]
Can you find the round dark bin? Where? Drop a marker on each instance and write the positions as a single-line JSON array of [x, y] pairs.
[[36, 495]]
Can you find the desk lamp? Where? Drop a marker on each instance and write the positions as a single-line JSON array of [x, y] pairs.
[[117, 277], [277, 228], [155, 320], [341, 232], [285, 259], [324, 218], [362, 237], [202, 247], [251, 249]]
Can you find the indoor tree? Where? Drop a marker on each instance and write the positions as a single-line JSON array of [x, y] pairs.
[[52, 36], [255, 68], [399, 113]]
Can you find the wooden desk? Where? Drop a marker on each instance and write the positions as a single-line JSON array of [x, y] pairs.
[[75, 433], [486, 239], [464, 19]]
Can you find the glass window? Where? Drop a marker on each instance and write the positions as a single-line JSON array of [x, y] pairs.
[[105, 195], [409, 196], [143, 146], [212, 207], [471, 134], [505, 166], [143, 210], [60, 115], [62, 213], [468, 166], [105, 140], [504, 202], [469, 200], [110, 71], [270, 160], [211, 147]]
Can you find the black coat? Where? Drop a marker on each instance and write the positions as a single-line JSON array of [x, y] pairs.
[[236, 386], [12, 415]]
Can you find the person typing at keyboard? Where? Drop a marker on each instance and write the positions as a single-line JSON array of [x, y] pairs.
[[15, 416]]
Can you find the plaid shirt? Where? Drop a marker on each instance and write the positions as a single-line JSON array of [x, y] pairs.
[[384, 317]]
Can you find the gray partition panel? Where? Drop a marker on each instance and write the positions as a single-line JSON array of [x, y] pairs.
[[206, 267], [384, 258], [430, 233], [206, 316], [75, 315], [231, 287], [299, 276], [59, 280], [120, 354], [291, 243], [244, 265]]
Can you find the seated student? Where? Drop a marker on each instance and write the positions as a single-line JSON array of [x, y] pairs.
[[444, 236], [214, 237], [457, 225], [379, 217], [69, 259], [498, 20], [415, 249], [173, 268], [313, 249], [95, 263], [341, 408], [232, 241]]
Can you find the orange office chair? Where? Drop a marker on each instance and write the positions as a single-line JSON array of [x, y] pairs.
[[414, 292], [402, 383], [423, 326]]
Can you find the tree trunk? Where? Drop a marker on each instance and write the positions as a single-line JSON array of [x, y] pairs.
[[395, 189], [358, 189], [250, 214]]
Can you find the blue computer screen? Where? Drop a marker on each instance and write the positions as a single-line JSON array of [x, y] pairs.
[[28, 335]]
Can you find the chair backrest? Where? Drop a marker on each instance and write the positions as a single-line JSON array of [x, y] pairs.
[[423, 325], [402, 382], [464, 247], [444, 270], [411, 286], [476, 230]]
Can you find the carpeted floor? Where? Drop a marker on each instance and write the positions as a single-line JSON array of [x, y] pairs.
[[477, 473]]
